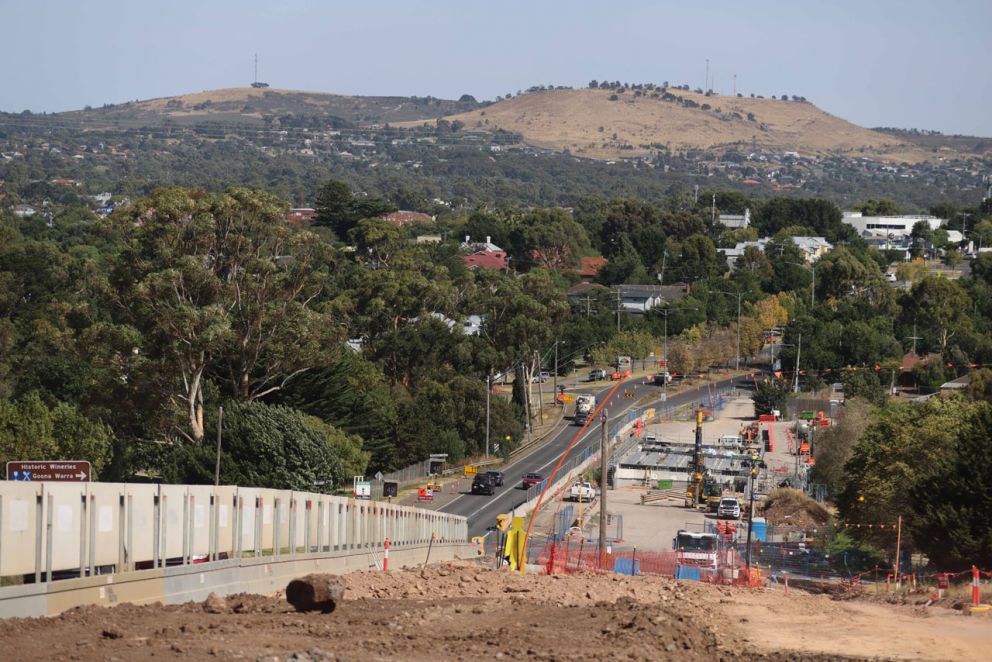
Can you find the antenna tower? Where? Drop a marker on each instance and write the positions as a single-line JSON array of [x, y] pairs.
[[256, 83]]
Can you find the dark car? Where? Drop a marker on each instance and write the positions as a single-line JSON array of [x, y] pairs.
[[497, 477], [580, 419], [483, 484], [532, 479]]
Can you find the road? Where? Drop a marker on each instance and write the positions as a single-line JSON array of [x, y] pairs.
[[482, 510]]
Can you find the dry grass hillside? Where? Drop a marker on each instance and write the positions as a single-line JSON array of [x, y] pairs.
[[247, 105], [588, 123]]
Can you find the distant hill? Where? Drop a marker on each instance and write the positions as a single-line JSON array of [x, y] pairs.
[[936, 141], [242, 105], [604, 124]]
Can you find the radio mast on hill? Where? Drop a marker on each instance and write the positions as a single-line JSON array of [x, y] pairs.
[[257, 83]]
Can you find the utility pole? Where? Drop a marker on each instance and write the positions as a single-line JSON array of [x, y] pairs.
[[220, 425], [619, 307], [735, 85], [707, 85], [523, 375], [898, 545], [713, 211], [602, 485], [799, 351], [750, 519], [914, 338], [489, 392], [555, 392], [540, 386]]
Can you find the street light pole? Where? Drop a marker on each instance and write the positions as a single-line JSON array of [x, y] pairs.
[[489, 391], [602, 487], [737, 362], [750, 519], [556, 373]]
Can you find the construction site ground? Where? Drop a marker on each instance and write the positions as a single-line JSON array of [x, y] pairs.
[[465, 611]]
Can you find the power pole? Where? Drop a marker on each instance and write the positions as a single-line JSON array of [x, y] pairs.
[[489, 392], [619, 307], [523, 375], [750, 519], [914, 338], [555, 393], [220, 425], [799, 351], [713, 211], [602, 485], [707, 85], [735, 85], [540, 386]]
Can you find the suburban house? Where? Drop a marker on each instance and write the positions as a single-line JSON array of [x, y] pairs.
[[584, 293], [639, 299], [484, 255], [496, 260], [589, 267], [301, 215], [406, 217], [736, 221], [24, 211], [813, 248]]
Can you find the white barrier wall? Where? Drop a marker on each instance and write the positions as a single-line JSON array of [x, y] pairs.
[[62, 530]]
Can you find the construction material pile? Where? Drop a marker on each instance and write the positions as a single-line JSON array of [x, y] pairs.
[[785, 506]]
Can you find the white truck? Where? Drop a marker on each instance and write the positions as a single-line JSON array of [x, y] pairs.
[[585, 404], [582, 491]]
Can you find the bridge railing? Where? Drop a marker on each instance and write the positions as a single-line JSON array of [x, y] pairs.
[[64, 530]]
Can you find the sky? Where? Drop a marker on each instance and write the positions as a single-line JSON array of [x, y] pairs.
[[909, 63]]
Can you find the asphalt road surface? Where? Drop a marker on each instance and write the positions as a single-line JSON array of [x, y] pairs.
[[482, 510]]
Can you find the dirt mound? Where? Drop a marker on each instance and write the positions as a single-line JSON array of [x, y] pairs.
[[463, 611], [785, 506]]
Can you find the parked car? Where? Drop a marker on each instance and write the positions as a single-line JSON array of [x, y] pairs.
[[582, 491], [543, 376], [729, 508], [891, 276], [497, 477], [597, 375], [650, 438], [532, 479], [483, 484]]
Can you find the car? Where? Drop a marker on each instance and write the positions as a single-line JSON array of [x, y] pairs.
[[531, 479], [890, 276], [580, 419], [662, 378], [543, 376], [650, 438], [729, 508], [483, 484], [497, 477], [597, 374]]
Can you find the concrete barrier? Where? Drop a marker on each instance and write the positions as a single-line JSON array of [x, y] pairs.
[[71, 544]]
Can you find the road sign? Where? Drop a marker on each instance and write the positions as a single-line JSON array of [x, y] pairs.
[[471, 469], [379, 476], [55, 471]]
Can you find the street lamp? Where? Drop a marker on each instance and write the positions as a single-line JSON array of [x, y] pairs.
[[812, 288], [668, 371], [737, 364], [750, 517]]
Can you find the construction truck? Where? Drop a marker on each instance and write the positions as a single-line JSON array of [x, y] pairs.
[[585, 404]]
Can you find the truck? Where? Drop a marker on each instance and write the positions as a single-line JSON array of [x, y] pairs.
[[696, 549], [585, 404], [582, 491]]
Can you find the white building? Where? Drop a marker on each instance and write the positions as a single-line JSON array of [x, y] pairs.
[[736, 221], [813, 248], [893, 228]]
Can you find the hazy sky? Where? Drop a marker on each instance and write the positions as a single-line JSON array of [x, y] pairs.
[[905, 63]]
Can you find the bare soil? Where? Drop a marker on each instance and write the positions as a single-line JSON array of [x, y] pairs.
[[462, 611]]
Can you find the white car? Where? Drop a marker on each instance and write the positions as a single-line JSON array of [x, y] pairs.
[[729, 508], [891, 276]]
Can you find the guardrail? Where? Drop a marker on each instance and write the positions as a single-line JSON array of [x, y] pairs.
[[52, 531]]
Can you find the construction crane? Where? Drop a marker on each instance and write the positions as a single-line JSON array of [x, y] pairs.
[[697, 471]]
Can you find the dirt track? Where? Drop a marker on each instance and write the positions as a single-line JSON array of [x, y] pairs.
[[463, 612]]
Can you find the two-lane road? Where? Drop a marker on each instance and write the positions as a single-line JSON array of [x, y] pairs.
[[481, 511]]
